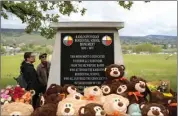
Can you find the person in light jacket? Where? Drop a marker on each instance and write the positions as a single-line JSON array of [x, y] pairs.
[[43, 71]]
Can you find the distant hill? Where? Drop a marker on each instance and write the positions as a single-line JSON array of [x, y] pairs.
[[18, 36]]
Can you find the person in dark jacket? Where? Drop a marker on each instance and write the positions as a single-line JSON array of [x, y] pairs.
[[30, 75], [43, 70]]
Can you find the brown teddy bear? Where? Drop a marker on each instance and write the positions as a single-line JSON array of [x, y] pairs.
[[116, 87], [54, 88], [153, 109], [172, 106], [114, 72], [92, 109], [49, 109], [53, 98], [138, 90], [69, 107], [168, 102], [16, 109], [93, 94], [69, 89], [109, 88], [115, 105], [122, 87]]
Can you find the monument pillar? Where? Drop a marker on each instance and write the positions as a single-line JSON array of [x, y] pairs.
[[82, 50]]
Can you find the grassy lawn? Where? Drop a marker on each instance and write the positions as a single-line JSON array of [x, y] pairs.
[[150, 67]]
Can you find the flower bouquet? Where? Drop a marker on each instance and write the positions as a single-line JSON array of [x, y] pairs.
[[16, 94]]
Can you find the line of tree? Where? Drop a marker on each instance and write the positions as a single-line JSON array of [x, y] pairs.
[[37, 14], [147, 47], [37, 49]]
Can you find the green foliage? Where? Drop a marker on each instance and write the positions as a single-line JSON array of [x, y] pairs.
[[147, 47], [36, 49], [2, 50], [39, 14]]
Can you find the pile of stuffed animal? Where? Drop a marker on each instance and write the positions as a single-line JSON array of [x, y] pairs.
[[117, 96]]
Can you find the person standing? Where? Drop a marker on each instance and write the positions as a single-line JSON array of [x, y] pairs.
[[30, 76], [43, 71]]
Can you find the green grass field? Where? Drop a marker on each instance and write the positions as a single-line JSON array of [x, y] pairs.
[[150, 67]]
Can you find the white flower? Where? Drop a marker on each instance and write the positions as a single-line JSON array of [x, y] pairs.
[[6, 102], [2, 100], [9, 98], [9, 87]]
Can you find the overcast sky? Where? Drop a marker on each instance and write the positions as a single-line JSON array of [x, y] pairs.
[[155, 17]]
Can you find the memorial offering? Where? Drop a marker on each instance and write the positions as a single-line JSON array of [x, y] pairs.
[[84, 58], [162, 86]]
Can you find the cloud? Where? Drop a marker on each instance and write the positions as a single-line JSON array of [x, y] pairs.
[[155, 17]]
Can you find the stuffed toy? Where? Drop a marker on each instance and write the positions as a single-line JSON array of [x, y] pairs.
[[48, 105], [16, 109], [93, 94], [52, 98], [114, 72], [75, 96], [69, 89], [134, 110], [157, 97], [109, 88], [54, 88], [122, 87], [138, 90], [49, 109], [163, 87], [172, 106], [170, 102], [92, 109], [69, 107], [153, 109], [115, 105]]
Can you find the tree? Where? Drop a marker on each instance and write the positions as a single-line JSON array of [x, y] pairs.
[[3, 51], [37, 14], [147, 47]]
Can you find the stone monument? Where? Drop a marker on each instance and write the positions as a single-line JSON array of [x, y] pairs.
[[82, 50]]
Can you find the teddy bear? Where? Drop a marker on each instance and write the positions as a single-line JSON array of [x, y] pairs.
[[109, 88], [75, 96], [114, 72], [93, 94], [92, 109], [69, 107], [69, 89], [54, 88], [115, 105], [172, 106], [138, 90], [153, 109], [123, 86], [52, 98], [134, 110], [16, 109], [169, 102], [49, 108]]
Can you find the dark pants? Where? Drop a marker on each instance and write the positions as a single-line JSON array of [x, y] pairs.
[[43, 89], [34, 100]]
